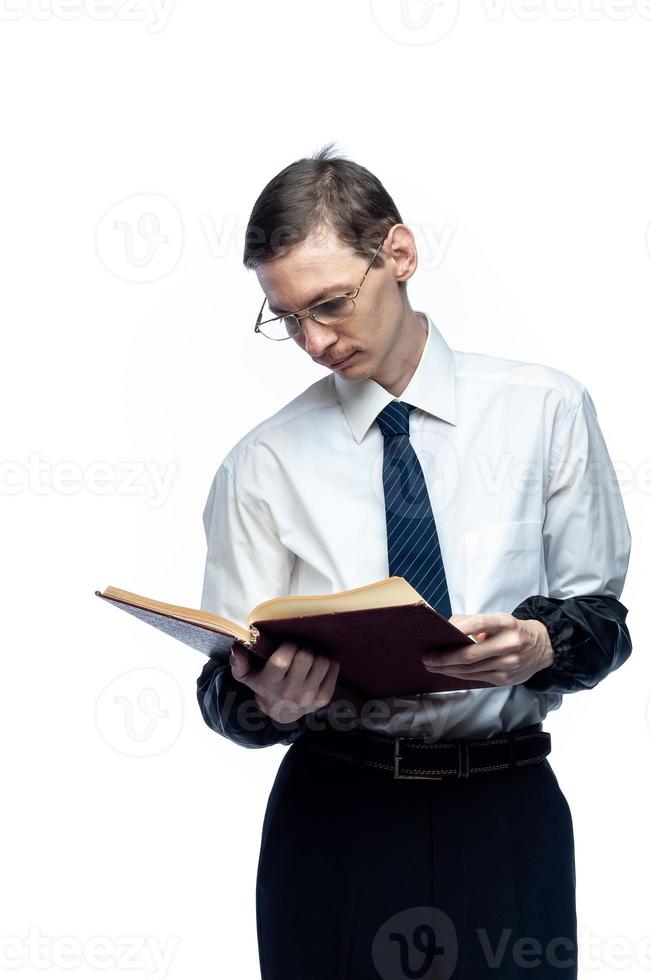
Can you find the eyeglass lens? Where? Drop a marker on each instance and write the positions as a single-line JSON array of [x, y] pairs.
[[331, 311]]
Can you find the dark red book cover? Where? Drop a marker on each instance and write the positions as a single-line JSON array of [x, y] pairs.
[[379, 649]]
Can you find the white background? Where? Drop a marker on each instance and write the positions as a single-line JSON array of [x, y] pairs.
[[514, 139]]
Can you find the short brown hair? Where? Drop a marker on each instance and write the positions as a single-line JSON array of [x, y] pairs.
[[322, 191]]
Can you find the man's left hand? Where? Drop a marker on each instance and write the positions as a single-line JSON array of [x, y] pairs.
[[508, 650]]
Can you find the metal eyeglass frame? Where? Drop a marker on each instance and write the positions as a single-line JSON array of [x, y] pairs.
[[351, 295]]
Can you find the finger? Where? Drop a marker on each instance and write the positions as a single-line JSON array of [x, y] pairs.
[[327, 687], [458, 620], [455, 651], [467, 655], [287, 670], [301, 666], [281, 661], [451, 654], [498, 678], [239, 661], [272, 671], [509, 663], [318, 670], [303, 687], [484, 622]]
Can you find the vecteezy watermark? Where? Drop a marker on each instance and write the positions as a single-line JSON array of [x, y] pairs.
[[340, 714], [498, 475], [526, 952], [140, 238], [140, 713], [615, 952], [423, 942], [416, 942], [141, 477], [42, 952], [415, 21], [421, 22], [154, 14], [232, 232], [567, 10]]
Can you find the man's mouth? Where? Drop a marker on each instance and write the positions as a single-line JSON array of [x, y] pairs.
[[340, 362]]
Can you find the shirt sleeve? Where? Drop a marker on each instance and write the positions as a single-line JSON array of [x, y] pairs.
[[587, 541], [246, 563], [586, 537]]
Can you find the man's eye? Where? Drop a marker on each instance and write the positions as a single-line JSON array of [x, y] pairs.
[[334, 309], [335, 305]]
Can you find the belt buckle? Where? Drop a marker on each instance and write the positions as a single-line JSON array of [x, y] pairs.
[[396, 762]]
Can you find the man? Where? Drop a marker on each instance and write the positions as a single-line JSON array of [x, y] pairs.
[[486, 483]]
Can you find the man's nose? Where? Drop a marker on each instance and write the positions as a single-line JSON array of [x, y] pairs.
[[318, 336]]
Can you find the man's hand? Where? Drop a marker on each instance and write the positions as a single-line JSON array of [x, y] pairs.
[[508, 651], [292, 682]]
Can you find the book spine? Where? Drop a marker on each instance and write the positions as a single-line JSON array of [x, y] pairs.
[[254, 634]]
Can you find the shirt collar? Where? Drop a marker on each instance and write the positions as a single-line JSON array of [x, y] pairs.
[[432, 388]]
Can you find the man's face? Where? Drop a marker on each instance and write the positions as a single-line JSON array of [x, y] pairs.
[[321, 268]]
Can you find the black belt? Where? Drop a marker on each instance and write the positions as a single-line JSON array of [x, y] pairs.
[[416, 757]]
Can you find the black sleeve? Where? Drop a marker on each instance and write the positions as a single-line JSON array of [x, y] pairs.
[[589, 637], [229, 707]]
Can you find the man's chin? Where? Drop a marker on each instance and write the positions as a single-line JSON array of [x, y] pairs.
[[350, 365]]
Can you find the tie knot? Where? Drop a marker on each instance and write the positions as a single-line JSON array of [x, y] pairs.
[[394, 419]]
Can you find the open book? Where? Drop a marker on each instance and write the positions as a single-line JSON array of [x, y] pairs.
[[378, 633]]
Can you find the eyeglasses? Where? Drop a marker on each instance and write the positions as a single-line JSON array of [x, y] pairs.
[[329, 311]]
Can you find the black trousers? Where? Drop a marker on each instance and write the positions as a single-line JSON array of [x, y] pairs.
[[361, 876]]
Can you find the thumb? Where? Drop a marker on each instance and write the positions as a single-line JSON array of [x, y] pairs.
[[239, 660]]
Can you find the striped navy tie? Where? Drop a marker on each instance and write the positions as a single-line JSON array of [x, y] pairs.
[[412, 541]]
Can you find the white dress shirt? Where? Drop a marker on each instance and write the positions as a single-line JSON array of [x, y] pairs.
[[522, 488]]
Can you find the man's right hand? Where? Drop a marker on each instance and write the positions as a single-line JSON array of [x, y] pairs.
[[292, 682]]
